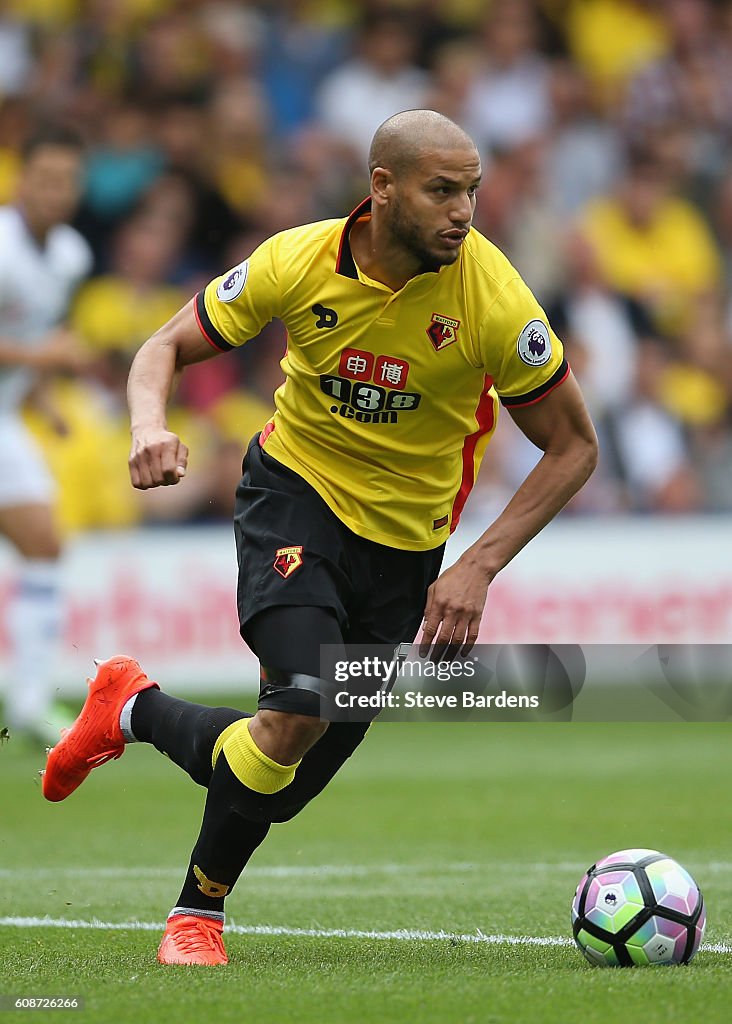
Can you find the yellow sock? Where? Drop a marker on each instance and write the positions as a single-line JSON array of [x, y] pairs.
[[222, 738], [252, 767]]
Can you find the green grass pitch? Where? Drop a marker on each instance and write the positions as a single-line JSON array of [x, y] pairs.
[[468, 829]]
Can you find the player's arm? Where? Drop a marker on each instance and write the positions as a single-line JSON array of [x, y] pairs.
[[59, 350], [157, 456], [560, 426], [230, 310]]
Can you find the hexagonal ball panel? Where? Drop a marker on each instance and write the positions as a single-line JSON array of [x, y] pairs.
[[658, 942], [613, 900], [673, 886], [597, 952]]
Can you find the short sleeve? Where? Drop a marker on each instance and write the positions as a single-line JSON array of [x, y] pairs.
[[520, 351], [234, 307]]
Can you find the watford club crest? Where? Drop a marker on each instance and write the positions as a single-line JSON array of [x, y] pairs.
[[287, 560], [442, 331]]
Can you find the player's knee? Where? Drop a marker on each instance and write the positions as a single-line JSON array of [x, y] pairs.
[[264, 752], [286, 736], [257, 784], [37, 546], [51, 550], [285, 802]]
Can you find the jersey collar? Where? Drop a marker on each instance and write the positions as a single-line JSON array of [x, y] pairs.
[[345, 263]]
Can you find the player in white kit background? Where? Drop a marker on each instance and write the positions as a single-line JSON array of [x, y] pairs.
[[42, 262]]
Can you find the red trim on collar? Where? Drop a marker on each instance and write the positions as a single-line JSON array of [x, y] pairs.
[[345, 264]]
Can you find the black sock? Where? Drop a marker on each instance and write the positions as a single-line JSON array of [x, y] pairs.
[[236, 819], [224, 845], [184, 731]]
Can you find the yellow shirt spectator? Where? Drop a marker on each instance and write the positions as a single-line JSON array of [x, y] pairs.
[[111, 313], [612, 39], [9, 172], [89, 462], [665, 262], [63, 12]]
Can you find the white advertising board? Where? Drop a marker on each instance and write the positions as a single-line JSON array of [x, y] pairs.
[[168, 596]]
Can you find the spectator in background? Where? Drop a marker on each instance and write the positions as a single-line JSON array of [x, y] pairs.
[[42, 261], [88, 459], [172, 54], [455, 67], [653, 245], [651, 450], [118, 310], [14, 120], [378, 81], [234, 37], [611, 40], [123, 163], [237, 134], [190, 169], [111, 314], [514, 209], [601, 328], [691, 84], [508, 102], [16, 63], [299, 51], [47, 14], [722, 220], [584, 153]]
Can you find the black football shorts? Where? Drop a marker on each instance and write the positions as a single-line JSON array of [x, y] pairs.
[[293, 550]]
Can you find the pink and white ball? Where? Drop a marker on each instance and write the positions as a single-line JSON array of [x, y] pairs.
[[638, 907]]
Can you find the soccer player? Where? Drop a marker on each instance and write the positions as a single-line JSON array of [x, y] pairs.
[[406, 328], [42, 261]]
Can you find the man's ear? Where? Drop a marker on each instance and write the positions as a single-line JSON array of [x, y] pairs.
[[382, 185]]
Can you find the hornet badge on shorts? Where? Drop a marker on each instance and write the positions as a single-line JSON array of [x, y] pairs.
[[287, 560]]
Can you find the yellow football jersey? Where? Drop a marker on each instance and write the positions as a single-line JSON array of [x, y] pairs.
[[390, 398]]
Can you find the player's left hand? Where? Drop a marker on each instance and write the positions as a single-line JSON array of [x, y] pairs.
[[455, 604]]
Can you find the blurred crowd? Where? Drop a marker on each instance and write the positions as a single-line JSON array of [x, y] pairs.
[[605, 128]]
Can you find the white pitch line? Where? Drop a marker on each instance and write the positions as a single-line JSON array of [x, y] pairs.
[[273, 871], [486, 868], [401, 934]]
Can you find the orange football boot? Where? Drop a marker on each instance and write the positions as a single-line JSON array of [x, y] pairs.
[[192, 940], [95, 737]]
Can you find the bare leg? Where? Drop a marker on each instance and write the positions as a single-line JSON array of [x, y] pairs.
[[285, 737], [32, 530], [34, 618]]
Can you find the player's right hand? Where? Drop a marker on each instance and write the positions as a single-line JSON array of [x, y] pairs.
[[158, 459]]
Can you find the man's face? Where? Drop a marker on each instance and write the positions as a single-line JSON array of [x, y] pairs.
[[432, 204], [644, 191], [50, 186]]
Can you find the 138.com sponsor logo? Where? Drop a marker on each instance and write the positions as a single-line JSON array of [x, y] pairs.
[[360, 391]]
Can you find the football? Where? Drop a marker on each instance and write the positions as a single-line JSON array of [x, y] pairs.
[[638, 907]]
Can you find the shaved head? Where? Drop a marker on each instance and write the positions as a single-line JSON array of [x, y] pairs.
[[425, 173], [403, 139]]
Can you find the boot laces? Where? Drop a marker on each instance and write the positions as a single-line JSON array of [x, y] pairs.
[[197, 937], [96, 760]]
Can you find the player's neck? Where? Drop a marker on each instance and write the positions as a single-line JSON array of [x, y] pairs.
[[379, 258]]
